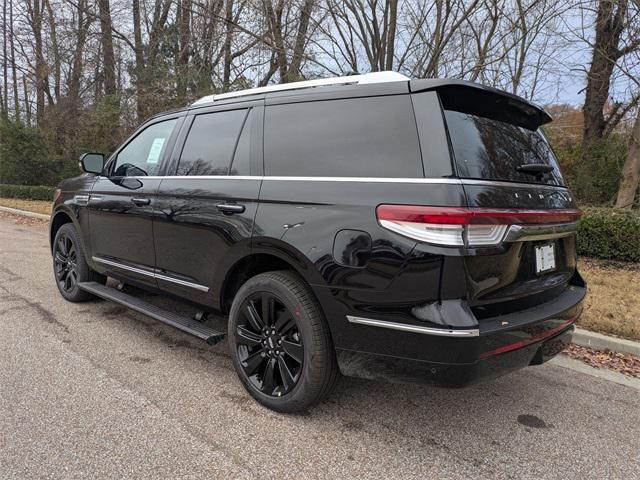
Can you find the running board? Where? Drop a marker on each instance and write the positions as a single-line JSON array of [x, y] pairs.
[[180, 322]]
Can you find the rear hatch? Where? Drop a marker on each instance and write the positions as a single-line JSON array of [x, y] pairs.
[[514, 187]]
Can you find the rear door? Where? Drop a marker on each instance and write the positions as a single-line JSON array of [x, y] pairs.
[[206, 205], [121, 204], [505, 163]]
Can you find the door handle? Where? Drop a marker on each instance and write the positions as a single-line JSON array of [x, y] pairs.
[[141, 201], [230, 208]]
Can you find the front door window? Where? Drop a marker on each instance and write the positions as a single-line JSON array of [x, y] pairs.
[[141, 157]]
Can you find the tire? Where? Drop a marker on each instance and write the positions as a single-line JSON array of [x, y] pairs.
[[306, 349], [70, 265]]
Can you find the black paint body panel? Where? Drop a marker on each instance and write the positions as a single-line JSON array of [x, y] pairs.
[[326, 230], [196, 242]]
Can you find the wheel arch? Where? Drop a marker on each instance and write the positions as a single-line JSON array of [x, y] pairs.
[[59, 219], [260, 262]]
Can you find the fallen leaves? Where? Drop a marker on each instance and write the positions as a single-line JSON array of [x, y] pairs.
[[22, 220], [620, 362]]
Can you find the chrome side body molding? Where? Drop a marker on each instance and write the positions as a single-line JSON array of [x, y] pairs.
[[151, 274], [442, 332]]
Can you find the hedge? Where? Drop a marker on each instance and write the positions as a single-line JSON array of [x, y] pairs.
[[610, 234], [28, 192]]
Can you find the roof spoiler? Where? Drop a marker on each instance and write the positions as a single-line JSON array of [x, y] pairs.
[[475, 99]]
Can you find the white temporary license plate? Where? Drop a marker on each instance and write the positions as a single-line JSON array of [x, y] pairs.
[[545, 258]]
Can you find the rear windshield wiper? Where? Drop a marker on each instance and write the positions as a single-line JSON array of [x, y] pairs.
[[535, 168]]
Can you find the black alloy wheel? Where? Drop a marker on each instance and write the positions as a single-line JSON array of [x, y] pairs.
[[269, 344], [70, 267], [280, 343], [65, 258]]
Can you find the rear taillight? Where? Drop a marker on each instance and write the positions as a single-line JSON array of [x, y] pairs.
[[460, 226]]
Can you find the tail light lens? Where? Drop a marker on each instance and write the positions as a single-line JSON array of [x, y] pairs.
[[460, 226]]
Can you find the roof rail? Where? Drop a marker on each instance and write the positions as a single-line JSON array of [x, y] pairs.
[[373, 77]]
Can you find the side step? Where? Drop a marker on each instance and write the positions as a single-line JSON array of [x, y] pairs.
[[186, 324]]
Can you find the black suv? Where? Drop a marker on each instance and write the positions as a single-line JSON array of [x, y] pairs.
[[372, 225]]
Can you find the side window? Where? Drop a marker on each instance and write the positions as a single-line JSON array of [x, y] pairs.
[[360, 137], [142, 155], [210, 143]]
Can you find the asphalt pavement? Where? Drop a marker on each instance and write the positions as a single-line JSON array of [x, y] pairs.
[[93, 390]]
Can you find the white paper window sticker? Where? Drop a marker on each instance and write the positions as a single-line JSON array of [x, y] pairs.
[[155, 150]]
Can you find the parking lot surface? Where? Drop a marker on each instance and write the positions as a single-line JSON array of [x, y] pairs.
[[93, 390]]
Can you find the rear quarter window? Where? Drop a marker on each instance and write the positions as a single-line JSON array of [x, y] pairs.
[[361, 137]]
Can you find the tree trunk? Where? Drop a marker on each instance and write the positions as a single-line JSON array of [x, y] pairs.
[[5, 92], [293, 72], [76, 64], [609, 27], [631, 170], [56, 51], [14, 74], [139, 69], [274, 20], [182, 60], [109, 62], [226, 74], [27, 105], [41, 74], [391, 33]]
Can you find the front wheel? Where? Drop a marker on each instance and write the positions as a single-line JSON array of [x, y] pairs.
[[280, 343], [70, 266]]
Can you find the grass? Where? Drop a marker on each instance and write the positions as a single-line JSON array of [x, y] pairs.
[[613, 302], [36, 206]]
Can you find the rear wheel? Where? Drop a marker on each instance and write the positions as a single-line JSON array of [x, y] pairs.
[[70, 266], [280, 343]]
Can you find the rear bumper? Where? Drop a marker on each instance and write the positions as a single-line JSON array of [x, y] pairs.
[[501, 345]]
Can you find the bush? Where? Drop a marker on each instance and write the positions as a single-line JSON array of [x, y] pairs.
[[593, 172], [27, 155], [610, 234], [27, 192]]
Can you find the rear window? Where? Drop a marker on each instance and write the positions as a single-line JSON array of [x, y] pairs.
[[362, 137], [494, 150]]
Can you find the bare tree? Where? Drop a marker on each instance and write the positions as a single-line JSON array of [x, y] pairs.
[[14, 75], [286, 59], [4, 105], [108, 55], [631, 170], [183, 47], [611, 20]]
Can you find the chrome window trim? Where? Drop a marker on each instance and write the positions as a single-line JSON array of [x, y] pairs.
[[450, 181], [155, 275], [442, 181], [442, 332]]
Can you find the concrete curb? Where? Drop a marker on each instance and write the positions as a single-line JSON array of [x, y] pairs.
[[585, 338], [603, 373], [24, 213]]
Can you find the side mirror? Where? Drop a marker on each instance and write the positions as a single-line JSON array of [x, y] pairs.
[[92, 162]]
